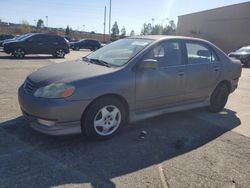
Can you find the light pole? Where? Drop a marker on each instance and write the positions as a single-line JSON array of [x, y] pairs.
[[83, 28], [110, 6], [162, 23], [153, 20], [104, 24], [47, 21], [35, 22]]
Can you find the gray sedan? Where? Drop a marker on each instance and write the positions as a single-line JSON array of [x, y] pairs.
[[128, 80]]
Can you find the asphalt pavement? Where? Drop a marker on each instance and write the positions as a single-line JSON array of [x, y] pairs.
[[186, 149]]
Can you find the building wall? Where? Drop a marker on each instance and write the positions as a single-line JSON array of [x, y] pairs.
[[227, 27]]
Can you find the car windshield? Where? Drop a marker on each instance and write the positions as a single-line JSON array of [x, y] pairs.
[[244, 49], [120, 52]]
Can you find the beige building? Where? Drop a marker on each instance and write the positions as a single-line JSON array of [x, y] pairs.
[[227, 27]]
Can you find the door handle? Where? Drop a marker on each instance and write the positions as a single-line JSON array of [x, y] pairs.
[[216, 69], [181, 73], [40, 43]]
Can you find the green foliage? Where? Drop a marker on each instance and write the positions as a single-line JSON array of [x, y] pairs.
[[169, 29], [123, 32], [115, 32], [67, 31], [132, 33], [40, 24], [25, 27]]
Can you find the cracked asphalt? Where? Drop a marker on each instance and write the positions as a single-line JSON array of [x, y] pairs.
[[186, 149]]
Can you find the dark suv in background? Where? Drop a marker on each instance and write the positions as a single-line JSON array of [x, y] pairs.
[[37, 44], [242, 54], [86, 44]]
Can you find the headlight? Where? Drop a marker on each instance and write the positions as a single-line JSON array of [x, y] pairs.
[[59, 90]]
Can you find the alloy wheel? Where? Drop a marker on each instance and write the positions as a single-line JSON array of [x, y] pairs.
[[107, 120]]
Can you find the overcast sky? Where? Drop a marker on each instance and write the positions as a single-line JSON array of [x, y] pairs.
[[89, 14]]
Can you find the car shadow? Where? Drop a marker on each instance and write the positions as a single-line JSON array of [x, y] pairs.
[[33, 57], [76, 160]]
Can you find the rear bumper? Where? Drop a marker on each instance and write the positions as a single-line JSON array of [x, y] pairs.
[[65, 115]]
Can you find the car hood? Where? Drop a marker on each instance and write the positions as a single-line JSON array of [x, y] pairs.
[[68, 72], [11, 42], [73, 42], [239, 53]]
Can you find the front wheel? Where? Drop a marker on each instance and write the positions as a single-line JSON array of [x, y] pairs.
[[248, 64], [18, 53], [104, 118], [219, 98], [60, 53]]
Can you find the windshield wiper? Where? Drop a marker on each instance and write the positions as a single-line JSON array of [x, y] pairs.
[[101, 62]]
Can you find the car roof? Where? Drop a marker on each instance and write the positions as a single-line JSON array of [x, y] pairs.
[[164, 37]]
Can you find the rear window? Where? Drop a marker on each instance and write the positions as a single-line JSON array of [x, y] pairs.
[[199, 53]]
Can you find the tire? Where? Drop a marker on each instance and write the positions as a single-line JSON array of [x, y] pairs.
[[104, 118], [219, 98], [248, 64], [18, 53], [59, 53], [76, 48], [95, 48]]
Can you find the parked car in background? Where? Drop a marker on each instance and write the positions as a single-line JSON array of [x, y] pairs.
[[242, 54], [37, 44], [130, 79], [19, 37], [6, 36], [85, 44]]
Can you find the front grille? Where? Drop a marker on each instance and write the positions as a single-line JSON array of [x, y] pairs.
[[29, 86]]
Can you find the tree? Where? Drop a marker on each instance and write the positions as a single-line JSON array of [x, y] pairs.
[[156, 30], [170, 29], [67, 31], [147, 29], [132, 33], [25, 27], [115, 31], [123, 32], [40, 24]]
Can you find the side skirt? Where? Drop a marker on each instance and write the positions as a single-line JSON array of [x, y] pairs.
[[149, 114]]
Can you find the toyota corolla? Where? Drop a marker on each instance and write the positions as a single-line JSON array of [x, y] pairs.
[[128, 80]]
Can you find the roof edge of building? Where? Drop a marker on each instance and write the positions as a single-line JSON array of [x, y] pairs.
[[203, 11]]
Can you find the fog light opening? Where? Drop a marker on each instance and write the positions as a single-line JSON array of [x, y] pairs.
[[46, 122]]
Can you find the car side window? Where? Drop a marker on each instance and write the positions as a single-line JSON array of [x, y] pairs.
[[166, 54], [198, 53], [36, 38]]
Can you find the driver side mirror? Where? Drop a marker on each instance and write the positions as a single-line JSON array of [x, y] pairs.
[[148, 64]]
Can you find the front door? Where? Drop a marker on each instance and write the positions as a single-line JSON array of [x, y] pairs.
[[165, 85]]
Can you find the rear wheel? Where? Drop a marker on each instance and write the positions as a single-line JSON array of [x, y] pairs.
[[18, 53], [77, 48], [104, 118], [219, 98], [59, 53], [248, 64]]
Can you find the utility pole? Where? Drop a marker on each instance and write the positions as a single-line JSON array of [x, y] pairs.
[[104, 24], [47, 22], [110, 6]]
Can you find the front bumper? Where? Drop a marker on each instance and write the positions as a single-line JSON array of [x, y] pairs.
[[7, 49], [66, 115]]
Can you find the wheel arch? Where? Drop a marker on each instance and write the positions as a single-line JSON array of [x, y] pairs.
[[227, 83], [117, 96]]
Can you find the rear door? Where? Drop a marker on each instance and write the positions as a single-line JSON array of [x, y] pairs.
[[36, 44], [203, 70]]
